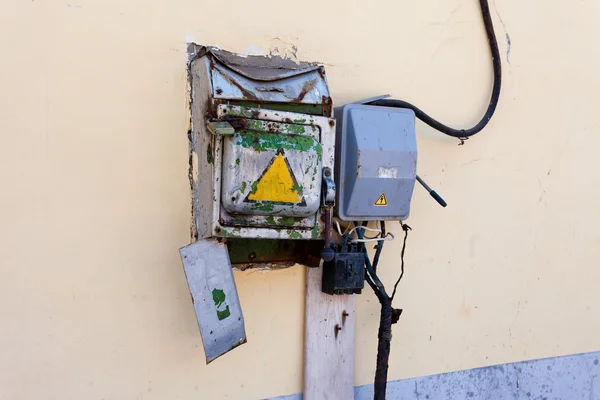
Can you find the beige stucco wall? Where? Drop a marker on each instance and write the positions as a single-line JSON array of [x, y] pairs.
[[94, 197]]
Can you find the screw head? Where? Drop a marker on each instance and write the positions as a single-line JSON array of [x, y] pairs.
[[327, 254]]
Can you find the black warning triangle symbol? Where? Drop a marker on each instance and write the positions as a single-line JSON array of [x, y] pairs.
[[382, 200], [277, 184]]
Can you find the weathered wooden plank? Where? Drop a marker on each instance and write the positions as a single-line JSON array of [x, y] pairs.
[[330, 323]]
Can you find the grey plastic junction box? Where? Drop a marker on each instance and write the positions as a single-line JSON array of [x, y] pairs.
[[376, 160]]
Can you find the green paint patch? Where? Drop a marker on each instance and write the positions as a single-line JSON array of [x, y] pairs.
[[221, 315], [262, 126], [314, 109], [295, 235], [218, 296], [296, 129], [270, 220], [254, 187], [254, 125], [287, 220], [298, 189], [226, 233], [266, 141], [219, 300], [243, 188], [263, 206], [237, 161], [300, 121], [209, 154], [315, 232]]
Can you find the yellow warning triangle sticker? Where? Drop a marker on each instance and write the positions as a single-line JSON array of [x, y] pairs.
[[277, 183], [382, 200]]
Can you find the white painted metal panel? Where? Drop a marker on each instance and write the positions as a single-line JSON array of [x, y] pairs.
[[326, 127], [216, 303], [247, 166]]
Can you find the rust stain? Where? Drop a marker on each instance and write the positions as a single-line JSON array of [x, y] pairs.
[[270, 89], [321, 72], [358, 165], [308, 86], [344, 316], [210, 109], [245, 92], [327, 105], [266, 265], [238, 123], [273, 127], [337, 330]]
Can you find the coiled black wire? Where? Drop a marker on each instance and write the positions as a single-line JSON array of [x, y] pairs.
[[463, 133]]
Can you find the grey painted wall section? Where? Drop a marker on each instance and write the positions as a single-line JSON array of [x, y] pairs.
[[565, 378]]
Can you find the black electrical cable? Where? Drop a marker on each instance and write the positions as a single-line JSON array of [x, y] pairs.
[[387, 318], [405, 228], [389, 315], [463, 133]]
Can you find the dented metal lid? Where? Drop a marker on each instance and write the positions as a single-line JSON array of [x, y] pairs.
[[259, 68], [262, 78]]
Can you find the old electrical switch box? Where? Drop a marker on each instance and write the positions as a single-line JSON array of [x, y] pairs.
[[376, 156], [262, 135], [261, 153]]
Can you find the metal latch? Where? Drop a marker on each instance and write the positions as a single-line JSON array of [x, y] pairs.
[[328, 201], [220, 128], [328, 189]]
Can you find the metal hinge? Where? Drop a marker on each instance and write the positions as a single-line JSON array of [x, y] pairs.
[[220, 128]]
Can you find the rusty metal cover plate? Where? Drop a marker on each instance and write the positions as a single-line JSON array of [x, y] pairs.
[[272, 173]]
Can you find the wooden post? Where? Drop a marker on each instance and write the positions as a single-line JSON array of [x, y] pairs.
[[330, 323]]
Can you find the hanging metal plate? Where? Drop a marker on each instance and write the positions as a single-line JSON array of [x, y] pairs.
[[216, 302]]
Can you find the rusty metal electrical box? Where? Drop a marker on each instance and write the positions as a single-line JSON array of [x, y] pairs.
[[261, 135], [261, 172]]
